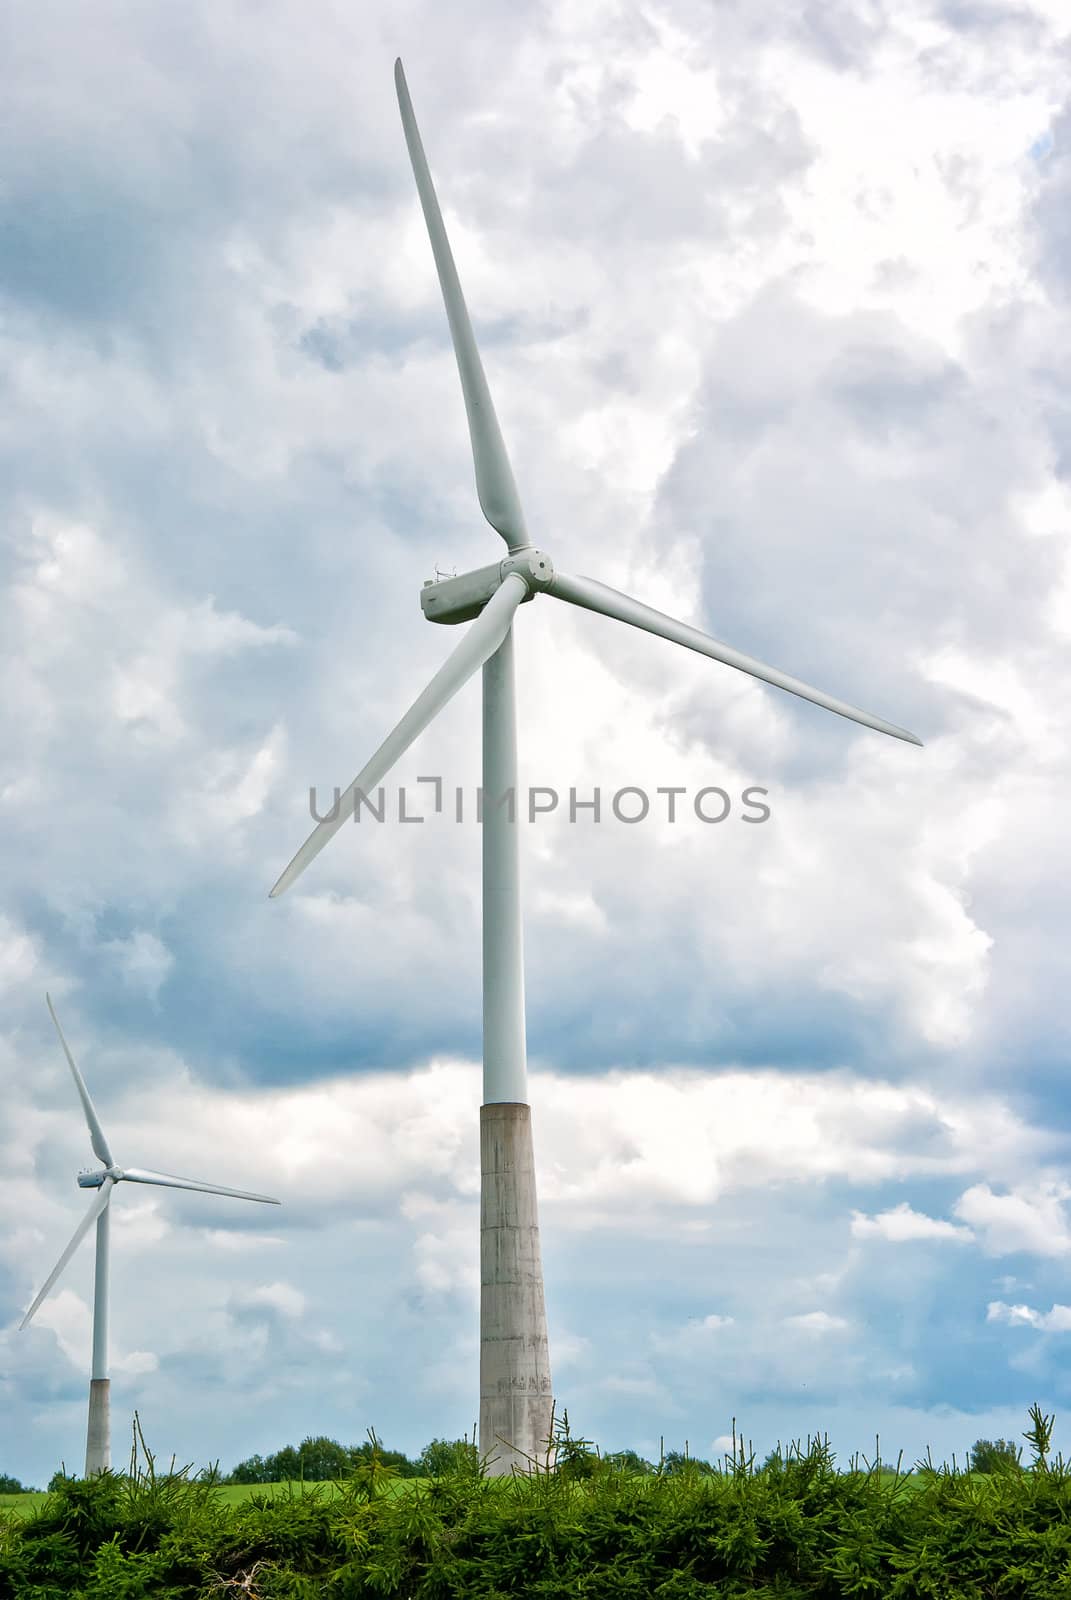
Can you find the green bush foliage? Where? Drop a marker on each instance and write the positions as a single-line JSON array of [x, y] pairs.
[[793, 1528]]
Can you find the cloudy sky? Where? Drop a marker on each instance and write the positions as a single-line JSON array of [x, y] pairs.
[[773, 303]]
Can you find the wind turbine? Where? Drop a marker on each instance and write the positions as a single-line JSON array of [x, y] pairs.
[[515, 1382], [98, 1434]]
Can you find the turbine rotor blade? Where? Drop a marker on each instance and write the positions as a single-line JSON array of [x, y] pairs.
[[167, 1180], [96, 1132], [499, 500], [100, 1202], [481, 641], [593, 596]]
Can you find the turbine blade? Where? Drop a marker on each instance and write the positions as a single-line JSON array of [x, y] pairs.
[[593, 596], [480, 642], [100, 1201], [96, 1132], [499, 500], [167, 1180]]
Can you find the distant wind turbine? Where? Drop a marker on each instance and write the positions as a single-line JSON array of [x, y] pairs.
[[98, 1434], [515, 1382]]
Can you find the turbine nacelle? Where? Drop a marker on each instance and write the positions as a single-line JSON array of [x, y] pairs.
[[93, 1180], [459, 599]]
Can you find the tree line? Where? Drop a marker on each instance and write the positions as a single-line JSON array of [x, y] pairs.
[[316, 1460]]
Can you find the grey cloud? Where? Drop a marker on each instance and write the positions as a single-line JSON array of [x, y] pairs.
[[841, 35], [1052, 212], [839, 466]]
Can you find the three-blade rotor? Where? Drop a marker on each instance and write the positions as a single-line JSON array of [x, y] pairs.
[[501, 506], [114, 1174]]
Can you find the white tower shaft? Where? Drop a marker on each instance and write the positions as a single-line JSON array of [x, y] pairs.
[[516, 1403], [98, 1433], [505, 1063]]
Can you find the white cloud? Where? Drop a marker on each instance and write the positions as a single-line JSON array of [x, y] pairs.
[[1031, 1218], [570, 1350], [447, 1261], [70, 1319], [698, 1338], [137, 1363], [232, 1242], [818, 1322], [624, 1383], [143, 960], [282, 1297], [1058, 1320], [67, 1316], [19, 957], [141, 1226], [901, 1224]]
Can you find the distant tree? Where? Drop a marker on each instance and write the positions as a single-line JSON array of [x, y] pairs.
[[284, 1464], [254, 1470], [362, 1455], [677, 1461], [993, 1455], [58, 1479], [629, 1461], [321, 1458], [9, 1485], [444, 1456]]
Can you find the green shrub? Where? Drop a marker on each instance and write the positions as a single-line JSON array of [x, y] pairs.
[[795, 1529]]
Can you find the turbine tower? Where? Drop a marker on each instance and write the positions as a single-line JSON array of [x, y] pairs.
[[98, 1433], [515, 1382]]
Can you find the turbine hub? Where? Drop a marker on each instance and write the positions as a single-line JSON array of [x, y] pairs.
[[534, 566]]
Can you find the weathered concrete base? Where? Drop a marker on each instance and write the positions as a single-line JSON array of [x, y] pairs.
[[98, 1435], [515, 1388]]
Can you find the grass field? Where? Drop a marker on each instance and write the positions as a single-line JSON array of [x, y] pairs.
[[233, 1494], [230, 1494]]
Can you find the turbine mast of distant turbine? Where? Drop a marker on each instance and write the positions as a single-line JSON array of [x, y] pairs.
[[98, 1432], [515, 1383]]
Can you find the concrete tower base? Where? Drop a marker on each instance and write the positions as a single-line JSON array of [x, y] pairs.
[[515, 1387], [98, 1435]]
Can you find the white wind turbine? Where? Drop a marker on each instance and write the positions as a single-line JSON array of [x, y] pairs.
[[98, 1434], [515, 1383]]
